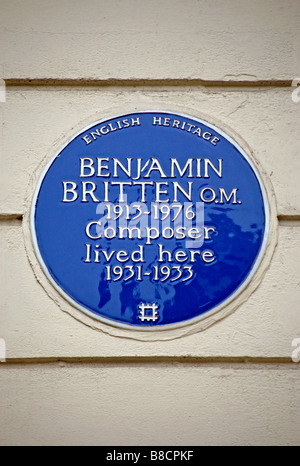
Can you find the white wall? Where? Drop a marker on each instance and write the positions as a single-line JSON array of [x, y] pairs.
[[68, 62]]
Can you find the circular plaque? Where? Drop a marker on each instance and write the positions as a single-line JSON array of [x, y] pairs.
[[150, 220]]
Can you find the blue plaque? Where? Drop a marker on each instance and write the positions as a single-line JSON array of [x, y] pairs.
[[150, 220]]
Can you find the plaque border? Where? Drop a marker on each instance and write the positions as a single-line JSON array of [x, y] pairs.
[[168, 331]]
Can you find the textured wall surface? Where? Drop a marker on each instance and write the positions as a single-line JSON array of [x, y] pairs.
[[65, 63], [169, 39]]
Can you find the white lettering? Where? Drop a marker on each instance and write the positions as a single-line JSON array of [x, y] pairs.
[[89, 191], [71, 190], [188, 165], [208, 163], [86, 163], [227, 198]]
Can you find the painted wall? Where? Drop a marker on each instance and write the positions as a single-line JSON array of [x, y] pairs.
[[64, 63]]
